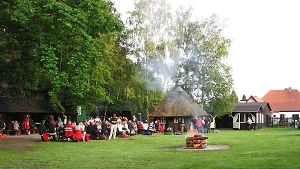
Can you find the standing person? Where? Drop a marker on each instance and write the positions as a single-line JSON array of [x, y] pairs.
[[65, 119], [113, 127], [26, 125], [17, 127], [200, 125], [2, 124], [208, 124], [249, 121], [30, 122]]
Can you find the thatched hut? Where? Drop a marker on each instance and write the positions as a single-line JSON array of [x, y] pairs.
[[177, 109]]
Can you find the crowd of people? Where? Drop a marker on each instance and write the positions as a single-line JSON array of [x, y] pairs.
[[96, 129], [201, 124], [26, 125], [93, 128]]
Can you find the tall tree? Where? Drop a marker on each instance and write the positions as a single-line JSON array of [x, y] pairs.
[[244, 97], [147, 27], [194, 48], [203, 73], [56, 47]]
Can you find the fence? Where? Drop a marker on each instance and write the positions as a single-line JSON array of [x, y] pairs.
[[283, 122]]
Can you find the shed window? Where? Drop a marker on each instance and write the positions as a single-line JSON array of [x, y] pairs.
[[175, 120], [163, 120], [243, 117]]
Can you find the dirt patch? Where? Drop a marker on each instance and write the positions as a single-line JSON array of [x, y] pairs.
[[18, 143], [208, 147]]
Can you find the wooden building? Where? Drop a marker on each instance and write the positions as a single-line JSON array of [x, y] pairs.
[[259, 112], [38, 109], [177, 109]]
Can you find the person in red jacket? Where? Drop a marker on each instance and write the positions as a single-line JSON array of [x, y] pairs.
[[26, 125], [69, 130], [140, 128]]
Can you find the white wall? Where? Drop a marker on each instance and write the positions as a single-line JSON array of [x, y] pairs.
[[286, 114]]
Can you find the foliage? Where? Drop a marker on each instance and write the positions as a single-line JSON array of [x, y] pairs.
[[202, 71], [171, 49], [265, 148], [244, 97], [146, 29], [57, 48]]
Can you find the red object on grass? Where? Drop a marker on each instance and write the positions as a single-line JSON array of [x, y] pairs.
[[45, 137], [87, 137]]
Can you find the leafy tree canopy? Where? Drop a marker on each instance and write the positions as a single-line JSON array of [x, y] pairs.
[[190, 51], [58, 48]]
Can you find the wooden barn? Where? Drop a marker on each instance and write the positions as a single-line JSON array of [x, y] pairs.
[[38, 109], [259, 112], [177, 109]]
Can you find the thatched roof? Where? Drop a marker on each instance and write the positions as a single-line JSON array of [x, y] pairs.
[[178, 103]]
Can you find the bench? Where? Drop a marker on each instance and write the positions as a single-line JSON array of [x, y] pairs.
[[32, 131], [11, 131]]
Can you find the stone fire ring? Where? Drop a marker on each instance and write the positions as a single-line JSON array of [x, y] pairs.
[[208, 147]]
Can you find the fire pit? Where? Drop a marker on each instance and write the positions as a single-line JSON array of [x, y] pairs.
[[196, 142]]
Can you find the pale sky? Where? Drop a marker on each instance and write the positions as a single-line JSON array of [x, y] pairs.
[[264, 33]]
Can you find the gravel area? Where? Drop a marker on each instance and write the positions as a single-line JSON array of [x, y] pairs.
[[208, 147], [19, 143]]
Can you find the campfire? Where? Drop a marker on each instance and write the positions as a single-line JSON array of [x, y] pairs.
[[196, 141]]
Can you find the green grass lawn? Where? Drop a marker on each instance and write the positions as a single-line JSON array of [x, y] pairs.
[[265, 148]]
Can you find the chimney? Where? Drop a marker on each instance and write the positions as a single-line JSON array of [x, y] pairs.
[[289, 88]]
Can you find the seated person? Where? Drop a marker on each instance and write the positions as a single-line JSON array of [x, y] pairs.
[[107, 126], [43, 131], [60, 131], [69, 130], [149, 131], [2, 125], [52, 130], [77, 136], [120, 127], [177, 132], [11, 125], [42, 128], [131, 127], [95, 131], [103, 128], [89, 129], [17, 127], [140, 128]]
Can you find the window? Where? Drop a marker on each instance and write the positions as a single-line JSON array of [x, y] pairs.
[[243, 117], [175, 120], [281, 116], [295, 116], [163, 120]]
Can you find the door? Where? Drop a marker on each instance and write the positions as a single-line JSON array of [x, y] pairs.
[[236, 121]]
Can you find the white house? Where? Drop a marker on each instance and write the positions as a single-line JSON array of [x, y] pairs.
[[284, 103]]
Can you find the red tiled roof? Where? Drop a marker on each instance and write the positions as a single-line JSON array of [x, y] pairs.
[[255, 99], [283, 100]]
